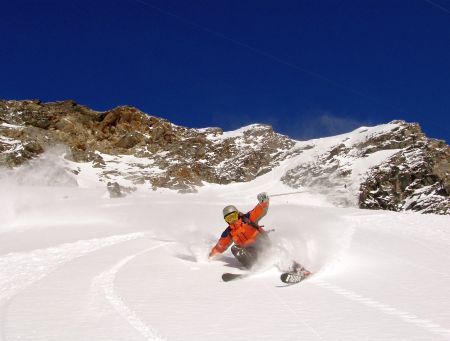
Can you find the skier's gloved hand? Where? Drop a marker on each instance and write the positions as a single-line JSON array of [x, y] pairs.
[[263, 197], [212, 254]]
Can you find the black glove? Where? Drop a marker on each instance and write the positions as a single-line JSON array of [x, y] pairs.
[[263, 197]]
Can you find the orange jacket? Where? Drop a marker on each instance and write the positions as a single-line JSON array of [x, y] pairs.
[[241, 233]]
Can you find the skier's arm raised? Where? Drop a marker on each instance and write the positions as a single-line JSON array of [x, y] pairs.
[[261, 208]]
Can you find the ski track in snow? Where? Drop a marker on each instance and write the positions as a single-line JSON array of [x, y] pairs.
[[385, 308], [19, 270], [105, 283]]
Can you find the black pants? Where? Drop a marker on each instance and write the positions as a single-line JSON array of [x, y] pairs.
[[249, 255]]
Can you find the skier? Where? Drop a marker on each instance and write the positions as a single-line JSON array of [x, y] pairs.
[[250, 239]]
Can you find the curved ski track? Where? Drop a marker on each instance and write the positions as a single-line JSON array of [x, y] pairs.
[[105, 283], [21, 270]]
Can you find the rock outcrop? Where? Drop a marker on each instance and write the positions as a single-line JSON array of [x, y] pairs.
[[417, 178], [406, 170]]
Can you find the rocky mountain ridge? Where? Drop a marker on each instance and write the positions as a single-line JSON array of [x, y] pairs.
[[181, 158], [393, 166]]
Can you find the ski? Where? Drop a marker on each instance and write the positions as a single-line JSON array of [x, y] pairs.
[[293, 277], [286, 277], [226, 277]]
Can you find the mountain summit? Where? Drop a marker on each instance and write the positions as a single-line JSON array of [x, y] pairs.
[[392, 166]]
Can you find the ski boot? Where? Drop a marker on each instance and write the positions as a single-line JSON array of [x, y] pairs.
[[296, 274]]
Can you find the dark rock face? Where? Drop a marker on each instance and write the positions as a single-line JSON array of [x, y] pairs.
[[417, 179]]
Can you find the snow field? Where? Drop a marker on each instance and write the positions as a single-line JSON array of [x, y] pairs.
[[78, 266]]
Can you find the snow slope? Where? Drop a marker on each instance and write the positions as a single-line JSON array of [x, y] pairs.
[[76, 265]]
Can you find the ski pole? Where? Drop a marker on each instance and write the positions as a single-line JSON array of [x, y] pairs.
[[289, 193]]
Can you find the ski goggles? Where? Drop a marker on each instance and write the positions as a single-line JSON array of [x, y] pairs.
[[231, 217]]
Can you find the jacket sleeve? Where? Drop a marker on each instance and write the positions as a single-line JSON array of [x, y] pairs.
[[259, 211], [223, 243]]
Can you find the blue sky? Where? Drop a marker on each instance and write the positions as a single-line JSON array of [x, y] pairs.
[[310, 68]]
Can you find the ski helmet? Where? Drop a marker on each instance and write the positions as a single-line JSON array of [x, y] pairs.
[[229, 209]]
